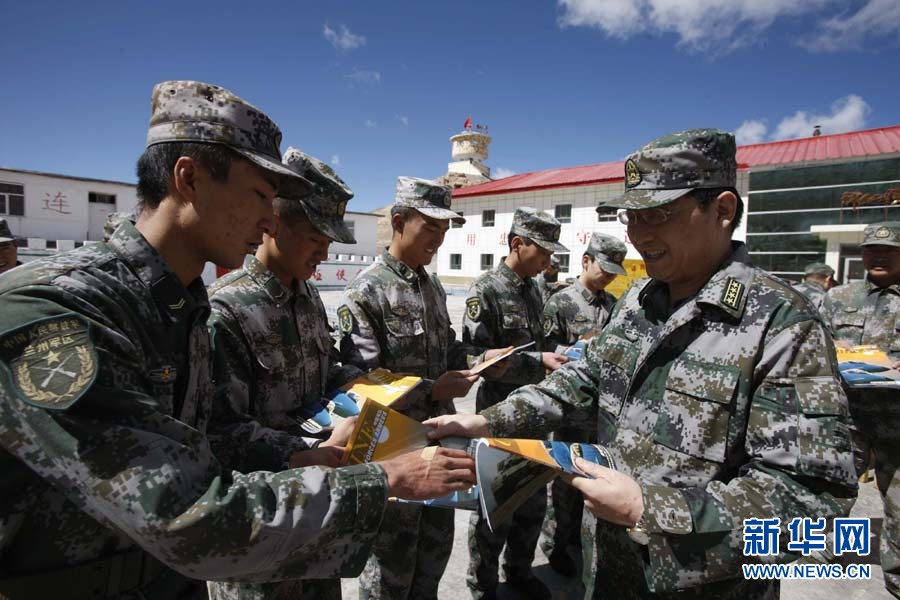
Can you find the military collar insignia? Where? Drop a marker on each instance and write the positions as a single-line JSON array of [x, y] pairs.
[[164, 374], [883, 232], [473, 308], [632, 175], [345, 319], [53, 361], [733, 295]]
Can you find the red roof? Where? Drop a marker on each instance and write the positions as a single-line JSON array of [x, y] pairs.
[[885, 140]]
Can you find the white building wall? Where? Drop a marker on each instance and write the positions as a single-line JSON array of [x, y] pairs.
[[57, 207], [473, 239], [365, 232]]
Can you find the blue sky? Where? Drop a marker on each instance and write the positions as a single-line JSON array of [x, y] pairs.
[[377, 88]]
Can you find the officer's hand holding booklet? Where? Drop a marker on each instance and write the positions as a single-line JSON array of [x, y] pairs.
[[509, 471], [867, 367]]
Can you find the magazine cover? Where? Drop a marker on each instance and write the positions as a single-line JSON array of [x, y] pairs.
[[381, 386], [502, 356], [867, 367]]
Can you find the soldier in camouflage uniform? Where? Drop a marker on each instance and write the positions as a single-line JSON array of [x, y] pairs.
[[273, 354], [818, 278], [394, 315], [577, 312], [547, 281], [110, 487], [868, 312], [504, 308], [714, 386]]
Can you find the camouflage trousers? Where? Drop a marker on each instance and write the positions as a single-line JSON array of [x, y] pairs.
[[410, 553], [562, 526], [293, 589], [520, 535], [876, 434]]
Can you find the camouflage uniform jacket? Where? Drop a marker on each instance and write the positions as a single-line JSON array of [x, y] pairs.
[[509, 313], [726, 408], [867, 314], [272, 354], [819, 298], [108, 451], [573, 312], [396, 318]]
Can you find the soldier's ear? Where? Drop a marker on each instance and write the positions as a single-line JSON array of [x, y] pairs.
[[185, 176], [397, 222], [726, 208]]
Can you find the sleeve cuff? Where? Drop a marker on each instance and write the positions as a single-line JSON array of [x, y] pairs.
[[369, 484]]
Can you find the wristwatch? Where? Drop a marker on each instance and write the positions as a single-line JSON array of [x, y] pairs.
[[637, 532]]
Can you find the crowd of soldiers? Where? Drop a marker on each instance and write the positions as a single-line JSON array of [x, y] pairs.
[[152, 431]]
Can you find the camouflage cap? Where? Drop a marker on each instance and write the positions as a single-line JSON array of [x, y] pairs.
[[882, 234], [192, 111], [427, 197], [818, 268], [539, 227], [326, 205], [5, 232], [607, 250], [674, 165]]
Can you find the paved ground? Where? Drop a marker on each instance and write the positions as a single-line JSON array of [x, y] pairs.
[[453, 584]]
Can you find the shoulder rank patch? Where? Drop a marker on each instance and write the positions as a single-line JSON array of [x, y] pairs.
[[345, 319], [548, 324], [53, 361], [473, 308], [734, 293]]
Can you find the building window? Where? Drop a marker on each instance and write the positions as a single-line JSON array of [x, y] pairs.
[[456, 262], [487, 261], [101, 198], [487, 218], [351, 225], [563, 262], [12, 199], [608, 217], [454, 224], [563, 213]]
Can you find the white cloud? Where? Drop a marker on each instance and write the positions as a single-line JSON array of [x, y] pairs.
[[872, 23], [364, 76], [701, 25], [501, 172], [335, 160], [847, 114], [343, 39], [403, 119], [370, 123], [750, 132]]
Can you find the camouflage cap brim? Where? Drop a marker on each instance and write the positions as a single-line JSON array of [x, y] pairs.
[[881, 243], [611, 267], [290, 185], [440, 213], [549, 246], [329, 225], [6, 239], [639, 199]]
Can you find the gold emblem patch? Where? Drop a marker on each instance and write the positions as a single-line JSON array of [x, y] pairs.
[[548, 325], [632, 175], [733, 295], [345, 319], [53, 361], [883, 232], [341, 208], [473, 308]]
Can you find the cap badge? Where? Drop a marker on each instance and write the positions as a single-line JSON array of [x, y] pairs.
[[617, 257], [554, 235], [632, 175], [341, 208], [883, 232]]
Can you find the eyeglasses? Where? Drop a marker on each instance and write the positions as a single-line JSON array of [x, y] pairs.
[[647, 216]]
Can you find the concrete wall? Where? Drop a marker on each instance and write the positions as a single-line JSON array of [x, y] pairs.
[[366, 233], [57, 207]]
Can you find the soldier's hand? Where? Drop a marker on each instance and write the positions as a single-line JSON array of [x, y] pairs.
[[340, 435], [497, 370], [843, 344], [611, 495], [429, 473], [553, 361], [464, 425], [325, 456], [453, 384]]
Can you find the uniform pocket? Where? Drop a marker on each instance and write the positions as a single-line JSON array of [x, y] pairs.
[[697, 407]]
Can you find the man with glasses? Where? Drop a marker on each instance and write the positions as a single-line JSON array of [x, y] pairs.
[[713, 385], [9, 252], [868, 312]]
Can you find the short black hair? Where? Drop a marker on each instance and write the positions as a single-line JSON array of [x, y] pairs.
[[705, 197], [404, 211], [290, 212], [155, 166], [512, 234]]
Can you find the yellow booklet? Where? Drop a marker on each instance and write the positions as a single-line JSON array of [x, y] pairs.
[[872, 355], [381, 386]]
